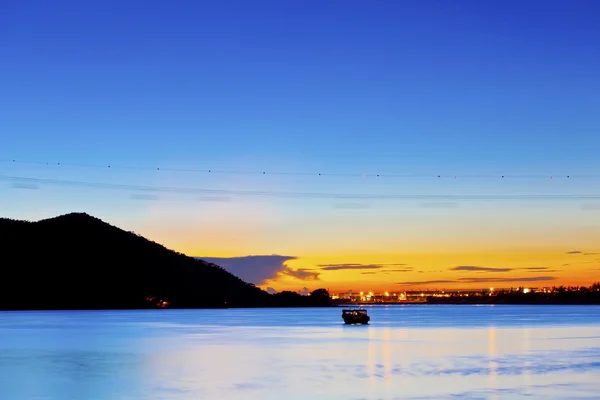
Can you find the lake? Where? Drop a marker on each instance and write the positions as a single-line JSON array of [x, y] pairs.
[[407, 352]]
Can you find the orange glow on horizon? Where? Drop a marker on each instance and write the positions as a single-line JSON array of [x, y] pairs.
[[489, 271]]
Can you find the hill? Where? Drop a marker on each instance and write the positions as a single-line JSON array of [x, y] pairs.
[[77, 261]]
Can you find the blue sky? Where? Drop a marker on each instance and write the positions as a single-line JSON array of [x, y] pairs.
[[463, 87], [336, 85]]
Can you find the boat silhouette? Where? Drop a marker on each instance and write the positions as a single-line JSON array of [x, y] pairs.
[[355, 316]]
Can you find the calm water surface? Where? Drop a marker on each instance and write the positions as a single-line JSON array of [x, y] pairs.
[[408, 352]]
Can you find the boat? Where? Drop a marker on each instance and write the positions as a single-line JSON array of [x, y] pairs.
[[355, 316]]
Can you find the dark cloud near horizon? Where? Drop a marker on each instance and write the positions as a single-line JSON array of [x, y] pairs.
[[537, 269], [481, 280], [389, 271], [259, 269], [480, 269], [525, 279], [425, 282], [337, 267], [301, 273]]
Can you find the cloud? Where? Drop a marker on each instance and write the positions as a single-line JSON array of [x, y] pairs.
[[590, 207], [407, 269], [389, 271], [439, 204], [270, 290], [425, 282], [574, 252], [336, 267], [259, 269], [525, 279], [303, 292], [537, 269], [589, 254], [351, 206], [480, 280], [482, 269], [144, 197], [301, 273]]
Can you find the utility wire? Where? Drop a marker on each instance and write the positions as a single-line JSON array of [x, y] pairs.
[[32, 182], [297, 173]]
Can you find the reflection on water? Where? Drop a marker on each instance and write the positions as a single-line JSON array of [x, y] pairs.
[[492, 358], [409, 352]]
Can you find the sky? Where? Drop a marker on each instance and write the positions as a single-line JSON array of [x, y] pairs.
[[324, 125]]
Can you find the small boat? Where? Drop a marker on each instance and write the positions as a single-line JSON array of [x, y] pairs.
[[355, 316]]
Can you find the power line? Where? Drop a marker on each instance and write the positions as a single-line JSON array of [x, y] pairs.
[[297, 173], [33, 182]]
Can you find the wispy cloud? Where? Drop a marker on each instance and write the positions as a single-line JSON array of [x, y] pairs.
[[259, 269], [439, 204], [574, 252], [351, 206], [537, 269], [589, 254], [480, 280], [336, 267], [388, 271], [416, 283], [482, 269], [525, 279], [301, 273]]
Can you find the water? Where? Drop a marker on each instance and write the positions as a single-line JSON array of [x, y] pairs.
[[408, 352]]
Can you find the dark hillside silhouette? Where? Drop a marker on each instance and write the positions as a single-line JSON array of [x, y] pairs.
[[77, 261]]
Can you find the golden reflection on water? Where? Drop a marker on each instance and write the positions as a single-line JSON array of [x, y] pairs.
[[400, 360], [371, 357], [527, 361], [492, 362], [387, 362], [387, 355]]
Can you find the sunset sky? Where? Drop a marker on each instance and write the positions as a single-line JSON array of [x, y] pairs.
[[469, 91]]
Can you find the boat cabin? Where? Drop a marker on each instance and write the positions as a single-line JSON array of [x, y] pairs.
[[355, 316]]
